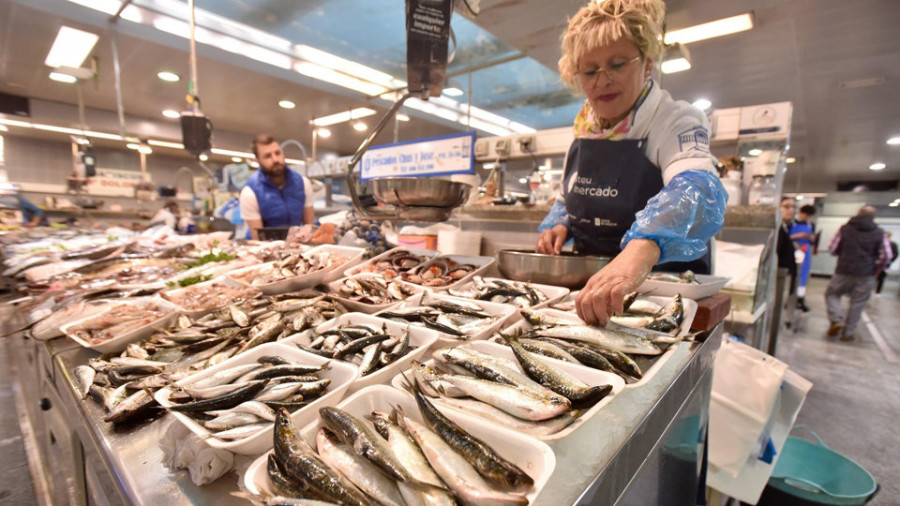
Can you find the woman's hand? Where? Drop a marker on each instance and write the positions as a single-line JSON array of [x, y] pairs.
[[550, 242], [605, 292]]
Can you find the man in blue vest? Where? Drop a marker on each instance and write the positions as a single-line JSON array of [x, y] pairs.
[[274, 196]]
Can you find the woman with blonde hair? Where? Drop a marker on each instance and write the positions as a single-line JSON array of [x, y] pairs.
[[639, 183]]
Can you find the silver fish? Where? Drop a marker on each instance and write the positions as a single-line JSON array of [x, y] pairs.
[[84, 375], [241, 432], [257, 408], [497, 416], [231, 421], [514, 400], [364, 474], [239, 316], [605, 337]]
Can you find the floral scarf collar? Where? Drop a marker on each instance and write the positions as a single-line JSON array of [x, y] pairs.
[[588, 126]]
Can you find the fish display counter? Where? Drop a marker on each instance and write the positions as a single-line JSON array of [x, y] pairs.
[[643, 444]]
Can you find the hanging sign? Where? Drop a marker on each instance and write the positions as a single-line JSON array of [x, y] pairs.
[[436, 156], [113, 182]]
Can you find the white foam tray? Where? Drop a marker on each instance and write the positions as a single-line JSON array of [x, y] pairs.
[[709, 285], [532, 456], [430, 253], [196, 313], [362, 307], [322, 276], [481, 264], [586, 374], [341, 375], [423, 339], [553, 293], [504, 313], [121, 341]]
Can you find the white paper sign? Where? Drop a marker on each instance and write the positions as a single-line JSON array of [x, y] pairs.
[[436, 156], [113, 182]]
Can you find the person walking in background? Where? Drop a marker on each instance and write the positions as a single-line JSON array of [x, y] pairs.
[[862, 249], [803, 233], [784, 246], [883, 272]]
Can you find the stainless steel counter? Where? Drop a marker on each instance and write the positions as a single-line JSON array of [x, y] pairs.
[[645, 438]]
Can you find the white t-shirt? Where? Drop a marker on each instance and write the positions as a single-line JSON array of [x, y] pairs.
[[677, 135], [250, 206]]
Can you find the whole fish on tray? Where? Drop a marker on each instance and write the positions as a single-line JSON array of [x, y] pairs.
[[461, 320], [368, 346], [517, 293], [374, 290], [394, 263], [439, 271]]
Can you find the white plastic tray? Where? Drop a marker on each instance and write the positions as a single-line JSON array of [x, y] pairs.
[[586, 374], [419, 337], [709, 285], [532, 456], [553, 293], [362, 307], [504, 313], [481, 264], [341, 375], [195, 313], [120, 342], [353, 255], [430, 253], [649, 364]]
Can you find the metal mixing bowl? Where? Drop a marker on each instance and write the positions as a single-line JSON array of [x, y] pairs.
[[420, 192], [568, 270]]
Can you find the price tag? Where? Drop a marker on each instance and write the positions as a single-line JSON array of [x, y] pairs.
[[436, 156]]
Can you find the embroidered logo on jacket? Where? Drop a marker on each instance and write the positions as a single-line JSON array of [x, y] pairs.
[[695, 138]]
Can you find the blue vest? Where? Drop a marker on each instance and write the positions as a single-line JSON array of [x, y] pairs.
[[279, 207]]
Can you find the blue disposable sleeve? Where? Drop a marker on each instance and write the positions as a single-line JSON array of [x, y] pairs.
[[557, 216], [683, 216]]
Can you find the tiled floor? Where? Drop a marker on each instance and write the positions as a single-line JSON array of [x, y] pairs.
[[854, 405]]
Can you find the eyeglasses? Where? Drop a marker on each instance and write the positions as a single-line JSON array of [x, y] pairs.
[[615, 71]]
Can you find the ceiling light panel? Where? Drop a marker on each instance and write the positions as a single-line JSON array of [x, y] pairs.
[[71, 48], [328, 60], [877, 166], [62, 78], [894, 141], [338, 78], [171, 114], [341, 117], [286, 104], [167, 76], [712, 29]]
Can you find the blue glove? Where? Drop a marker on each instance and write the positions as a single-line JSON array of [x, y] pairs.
[[557, 216], [682, 217]]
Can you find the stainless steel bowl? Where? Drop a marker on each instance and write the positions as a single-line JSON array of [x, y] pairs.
[[420, 192], [568, 270]]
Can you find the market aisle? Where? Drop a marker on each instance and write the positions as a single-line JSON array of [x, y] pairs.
[[15, 478], [855, 401]]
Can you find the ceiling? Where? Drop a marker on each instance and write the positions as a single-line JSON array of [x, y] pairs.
[[800, 51]]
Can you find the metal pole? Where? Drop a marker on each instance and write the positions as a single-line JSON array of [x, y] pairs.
[[775, 324], [80, 108], [469, 103], [115, 17], [117, 72], [195, 89]]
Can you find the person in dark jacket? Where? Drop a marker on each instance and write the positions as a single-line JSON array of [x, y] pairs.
[[862, 250], [883, 272], [785, 246], [275, 196]]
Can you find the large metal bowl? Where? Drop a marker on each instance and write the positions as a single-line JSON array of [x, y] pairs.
[[420, 192], [567, 269]]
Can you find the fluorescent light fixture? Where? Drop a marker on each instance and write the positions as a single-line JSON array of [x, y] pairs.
[[70, 48], [341, 117], [754, 152], [488, 166], [165, 144], [294, 161], [521, 129], [230, 152], [350, 68], [340, 79], [894, 204], [676, 58], [702, 104], [132, 145], [171, 114], [54, 128], [877, 166], [286, 104], [453, 92], [799, 197], [167, 76], [402, 117], [145, 150], [712, 29], [894, 141], [62, 78], [790, 159], [253, 164], [237, 159], [359, 126], [3, 128], [203, 157], [677, 65], [323, 133]]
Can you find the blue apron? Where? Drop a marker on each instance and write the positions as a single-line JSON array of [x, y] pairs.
[[613, 181]]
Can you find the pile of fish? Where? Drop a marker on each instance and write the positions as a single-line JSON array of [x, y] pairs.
[[395, 461], [439, 271], [190, 345], [503, 291], [374, 289], [238, 402], [291, 266], [209, 296], [118, 320], [394, 263], [686, 277], [460, 320], [529, 394], [640, 313], [368, 346]]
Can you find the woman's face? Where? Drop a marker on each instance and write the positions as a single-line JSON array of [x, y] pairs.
[[612, 77]]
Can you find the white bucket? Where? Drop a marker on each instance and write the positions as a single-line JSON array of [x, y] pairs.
[[458, 242]]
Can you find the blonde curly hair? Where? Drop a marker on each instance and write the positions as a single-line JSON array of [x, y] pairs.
[[598, 24]]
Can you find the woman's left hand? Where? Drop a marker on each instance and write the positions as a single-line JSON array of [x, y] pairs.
[[604, 293]]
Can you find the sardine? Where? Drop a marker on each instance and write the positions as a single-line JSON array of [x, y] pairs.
[[497, 416], [370, 359], [548, 350], [239, 316], [84, 376], [257, 408], [231, 421], [561, 382], [363, 473], [241, 432], [276, 500], [485, 367], [605, 337], [230, 400], [514, 400], [224, 376]]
